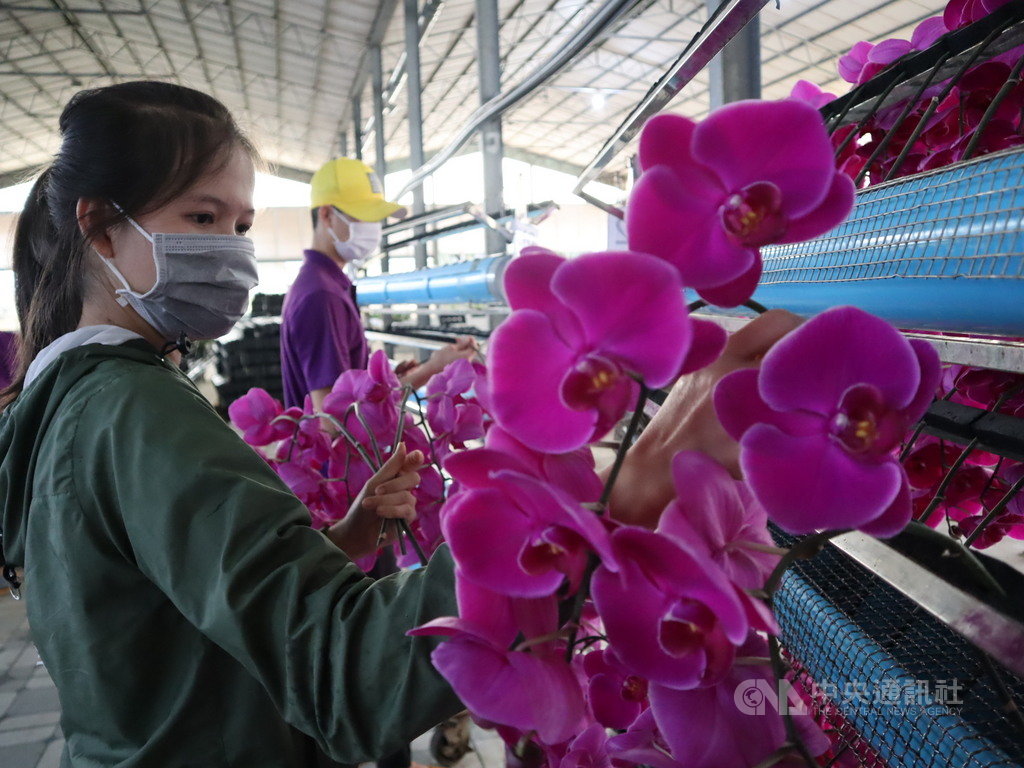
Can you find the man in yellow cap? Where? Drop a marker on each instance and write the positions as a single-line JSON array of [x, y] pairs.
[[321, 329]]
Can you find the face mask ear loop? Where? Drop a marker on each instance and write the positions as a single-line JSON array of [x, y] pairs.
[[110, 265]]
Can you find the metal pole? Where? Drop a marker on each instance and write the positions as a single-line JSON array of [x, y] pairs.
[[343, 144], [491, 147], [381, 166], [735, 73], [357, 125], [416, 156]]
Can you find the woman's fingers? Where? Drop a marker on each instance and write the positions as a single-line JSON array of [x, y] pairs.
[[397, 504]]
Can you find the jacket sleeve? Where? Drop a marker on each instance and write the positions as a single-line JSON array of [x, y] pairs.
[[216, 530]]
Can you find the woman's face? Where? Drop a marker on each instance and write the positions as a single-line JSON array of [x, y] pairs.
[[220, 203]]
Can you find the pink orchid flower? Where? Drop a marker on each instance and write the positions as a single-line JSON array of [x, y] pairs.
[[562, 365], [254, 414], [588, 750], [376, 390], [452, 417], [521, 537], [706, 727], [720, 519], [572, 472], [671, 616], [641, 744], [525, 690], [615, 695], [809, 93], [960, 13], [712, 194], [818, 424]]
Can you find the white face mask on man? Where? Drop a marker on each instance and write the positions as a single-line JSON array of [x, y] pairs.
[[363, 240]]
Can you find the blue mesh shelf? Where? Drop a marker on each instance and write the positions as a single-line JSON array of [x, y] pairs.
[[942, 250]]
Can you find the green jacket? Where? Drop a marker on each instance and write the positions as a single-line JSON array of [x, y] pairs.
[[186, 610]]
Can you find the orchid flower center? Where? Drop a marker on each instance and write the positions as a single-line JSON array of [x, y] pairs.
[[634, 688], [753, 216], [683, 628], [864, 424], [554, 548], [592, 377]]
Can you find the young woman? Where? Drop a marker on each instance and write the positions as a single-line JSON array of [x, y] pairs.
[[185, 609]]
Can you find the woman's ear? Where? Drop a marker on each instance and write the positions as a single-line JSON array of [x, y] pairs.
[[87, 212]]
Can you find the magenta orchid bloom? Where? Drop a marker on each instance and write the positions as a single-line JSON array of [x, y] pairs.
[[517, 536], [588, 750], [712, 194], [562, 364], [254, 413], [720, 519], [960, 13], [809, 93], [523, 689], [376, 390], [616, 696], [927, 33], [453, 418], [642, 744], [818, 425], [572, 472], [731, 723], [671, 616], [865, 60]]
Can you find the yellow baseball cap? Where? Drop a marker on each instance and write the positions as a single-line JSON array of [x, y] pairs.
[[351, 186]]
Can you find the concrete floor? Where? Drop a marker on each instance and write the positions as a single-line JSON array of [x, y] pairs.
[[30, 735]]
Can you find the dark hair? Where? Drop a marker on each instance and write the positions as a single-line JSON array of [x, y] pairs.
[[140, 143]]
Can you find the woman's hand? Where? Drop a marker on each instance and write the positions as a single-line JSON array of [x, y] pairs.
[[687, 421], [386, 495]]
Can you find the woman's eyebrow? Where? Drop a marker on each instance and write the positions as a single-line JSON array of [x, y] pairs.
[[214, 200]]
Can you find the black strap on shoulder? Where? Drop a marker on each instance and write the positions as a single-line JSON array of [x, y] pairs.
[[10, 575]]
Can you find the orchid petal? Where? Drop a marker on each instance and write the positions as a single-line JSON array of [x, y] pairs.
[[808, 483], [527, 398], [739, 406], [782, 142], [813, 366], [630, 306]]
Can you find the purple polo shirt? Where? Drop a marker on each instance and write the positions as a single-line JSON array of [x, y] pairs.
[[321, 330]]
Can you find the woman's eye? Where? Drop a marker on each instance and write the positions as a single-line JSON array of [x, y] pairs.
[[243, 228], [202, 218]]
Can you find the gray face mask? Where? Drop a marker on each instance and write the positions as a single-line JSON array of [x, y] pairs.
[[202, 283]]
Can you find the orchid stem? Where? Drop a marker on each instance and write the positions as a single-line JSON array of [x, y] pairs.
[[620, 455], [996, 511], [791, 732], [369, 432], [804, 549], [757, 546], [940, 492], [350, 438]]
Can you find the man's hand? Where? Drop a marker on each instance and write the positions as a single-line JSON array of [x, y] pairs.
[[463, 347], [687, 421], [386, 495]]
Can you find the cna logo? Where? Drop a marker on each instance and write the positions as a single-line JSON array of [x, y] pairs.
[[759, 696]]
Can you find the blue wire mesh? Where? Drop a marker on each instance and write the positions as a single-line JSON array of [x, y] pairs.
[[942, 250], [855, 635]]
